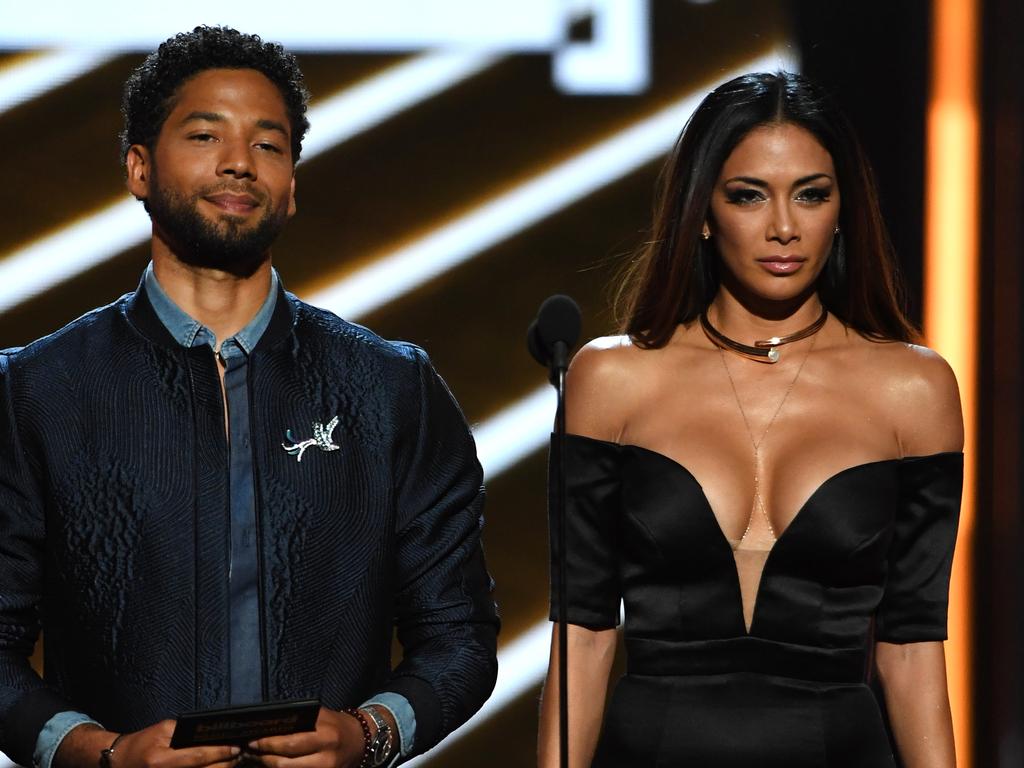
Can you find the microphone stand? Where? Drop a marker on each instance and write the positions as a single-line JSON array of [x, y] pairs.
[[558, 364], [550, 338]]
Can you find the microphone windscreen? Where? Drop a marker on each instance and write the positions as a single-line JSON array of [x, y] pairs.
[[558, 320]]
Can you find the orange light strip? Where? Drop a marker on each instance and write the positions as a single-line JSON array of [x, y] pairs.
[[951, 296]]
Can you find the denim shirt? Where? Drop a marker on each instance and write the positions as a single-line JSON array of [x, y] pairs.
[[244, 657]]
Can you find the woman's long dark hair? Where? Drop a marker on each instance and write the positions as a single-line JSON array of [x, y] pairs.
[[674, 277]]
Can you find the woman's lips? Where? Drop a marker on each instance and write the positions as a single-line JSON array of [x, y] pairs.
[[781, 265]]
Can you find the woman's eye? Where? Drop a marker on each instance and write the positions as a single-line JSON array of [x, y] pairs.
[[743, 196], [814, 195]]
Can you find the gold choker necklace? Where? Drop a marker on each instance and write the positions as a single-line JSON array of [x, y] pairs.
[[766, 350]]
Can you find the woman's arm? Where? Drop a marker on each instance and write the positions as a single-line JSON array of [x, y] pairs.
[[590, 661], [913, 677], [600, 390]]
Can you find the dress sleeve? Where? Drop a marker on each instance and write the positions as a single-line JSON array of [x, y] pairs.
[[913, 607], [592, 501]]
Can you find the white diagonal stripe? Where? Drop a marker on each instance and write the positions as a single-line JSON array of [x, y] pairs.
[[513, 434], [25, 80], [382, 96]]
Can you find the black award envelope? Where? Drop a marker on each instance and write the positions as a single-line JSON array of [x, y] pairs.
[[240, 725]]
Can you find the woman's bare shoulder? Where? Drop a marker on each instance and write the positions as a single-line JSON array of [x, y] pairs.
[[605, 383], [921, 390], [607, 358]]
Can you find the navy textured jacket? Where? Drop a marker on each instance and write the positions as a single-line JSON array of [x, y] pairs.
[[114, 525]]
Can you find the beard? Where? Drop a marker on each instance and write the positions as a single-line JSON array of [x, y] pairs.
[[227, 245]]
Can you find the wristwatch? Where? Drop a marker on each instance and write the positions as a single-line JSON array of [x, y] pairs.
[[383, 740]]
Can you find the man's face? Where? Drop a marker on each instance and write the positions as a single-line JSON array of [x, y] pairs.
[[219, 182]]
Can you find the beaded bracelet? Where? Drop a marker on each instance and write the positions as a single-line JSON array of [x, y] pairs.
[[367, 739]]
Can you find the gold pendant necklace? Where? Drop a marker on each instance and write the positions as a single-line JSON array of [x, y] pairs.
[[758, 500], [764, 350]]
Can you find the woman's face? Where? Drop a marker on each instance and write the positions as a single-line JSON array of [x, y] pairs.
[[774, 211]]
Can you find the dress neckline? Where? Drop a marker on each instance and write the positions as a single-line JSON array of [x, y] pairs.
[[723, 540], [828, 480]]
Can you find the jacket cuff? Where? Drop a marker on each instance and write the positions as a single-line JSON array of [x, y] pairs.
[[34, 709], [425, 705]]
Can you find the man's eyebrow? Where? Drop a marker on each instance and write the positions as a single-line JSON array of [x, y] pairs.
[[272, 125], [208, 117], [755, 182], [217, 117]]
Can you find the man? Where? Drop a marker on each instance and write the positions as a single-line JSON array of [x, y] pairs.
[[212, 494]]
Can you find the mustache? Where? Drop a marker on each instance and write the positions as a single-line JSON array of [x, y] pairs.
[[231, 189]]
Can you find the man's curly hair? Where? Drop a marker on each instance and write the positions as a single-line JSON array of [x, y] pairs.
[[149, 92]]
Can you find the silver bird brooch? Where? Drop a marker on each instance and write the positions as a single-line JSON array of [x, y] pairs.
[[323, 438]]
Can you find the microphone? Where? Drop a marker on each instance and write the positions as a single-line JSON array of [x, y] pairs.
[[554, 333]]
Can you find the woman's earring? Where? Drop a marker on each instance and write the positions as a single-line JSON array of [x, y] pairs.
[[836, 230], [835, 267], [706, 233]]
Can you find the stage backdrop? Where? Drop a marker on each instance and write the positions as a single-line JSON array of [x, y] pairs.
[[466, 159]]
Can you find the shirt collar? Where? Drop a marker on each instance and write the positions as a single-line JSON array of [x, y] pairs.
[[189, 332]]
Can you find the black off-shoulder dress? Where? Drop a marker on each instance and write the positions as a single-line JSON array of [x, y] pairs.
[[867, 558]]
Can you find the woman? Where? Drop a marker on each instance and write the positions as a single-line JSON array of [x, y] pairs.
[[764, 468]]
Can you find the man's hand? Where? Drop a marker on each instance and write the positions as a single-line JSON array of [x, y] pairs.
[[337, 742], [148, 748]]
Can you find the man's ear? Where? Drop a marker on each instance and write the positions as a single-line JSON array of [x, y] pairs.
[[139, 166], [291, 198]]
